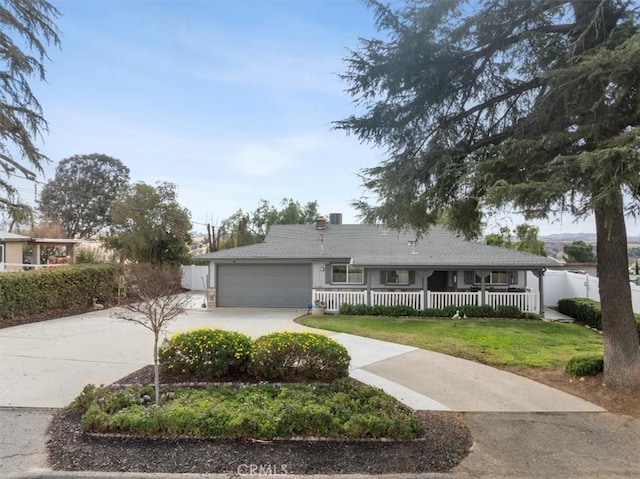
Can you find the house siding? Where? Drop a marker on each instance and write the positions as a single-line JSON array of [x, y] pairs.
[[13, 256]]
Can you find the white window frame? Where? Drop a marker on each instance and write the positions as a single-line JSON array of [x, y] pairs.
[[399, 273], [349, 271], [490, 275]]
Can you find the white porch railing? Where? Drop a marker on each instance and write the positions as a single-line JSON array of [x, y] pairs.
[[527, 302], [334, 299], [413, 299], [438, 300]]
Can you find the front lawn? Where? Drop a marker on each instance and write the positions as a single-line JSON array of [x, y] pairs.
[[496, 342]]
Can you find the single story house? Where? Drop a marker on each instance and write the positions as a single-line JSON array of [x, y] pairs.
[[12, 247], [369, 264]]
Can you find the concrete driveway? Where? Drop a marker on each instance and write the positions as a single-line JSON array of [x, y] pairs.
[[47, 364]]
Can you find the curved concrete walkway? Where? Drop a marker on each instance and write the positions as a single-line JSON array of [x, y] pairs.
[[45, 365]]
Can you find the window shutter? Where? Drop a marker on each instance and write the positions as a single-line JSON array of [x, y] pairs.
[[412, 277], [383, 277], [327, 273]]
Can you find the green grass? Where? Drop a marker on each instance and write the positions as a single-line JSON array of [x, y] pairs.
[[496, 342]]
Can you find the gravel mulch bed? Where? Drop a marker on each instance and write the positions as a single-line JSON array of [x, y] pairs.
[[446, 442]]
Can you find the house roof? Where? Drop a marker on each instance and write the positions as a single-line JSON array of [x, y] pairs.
[[12, 237], [8, 237], [372, 245]]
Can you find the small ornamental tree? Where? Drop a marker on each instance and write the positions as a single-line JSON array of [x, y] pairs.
[[154, 290]]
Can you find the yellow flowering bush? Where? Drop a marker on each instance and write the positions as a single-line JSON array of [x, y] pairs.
[[208, 353], [289, 356]]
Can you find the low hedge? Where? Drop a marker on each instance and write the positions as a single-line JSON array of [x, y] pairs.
[[586, 311], [24, 293], [208, 353], [470, 311], [585, 365], [286, 356]]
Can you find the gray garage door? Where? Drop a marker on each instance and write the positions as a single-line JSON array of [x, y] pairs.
[[270, 286]]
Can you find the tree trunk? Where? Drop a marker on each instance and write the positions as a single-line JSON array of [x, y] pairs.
[[156, 370], [621, 346]]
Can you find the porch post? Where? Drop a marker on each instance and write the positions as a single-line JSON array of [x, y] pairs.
[[37, 254], [541, 290], [425, 288]]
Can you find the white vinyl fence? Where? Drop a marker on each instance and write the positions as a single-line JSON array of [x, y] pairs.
[[194, 277], [564, 284]]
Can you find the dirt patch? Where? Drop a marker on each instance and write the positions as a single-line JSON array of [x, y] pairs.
[[589, 388], [445, 443]]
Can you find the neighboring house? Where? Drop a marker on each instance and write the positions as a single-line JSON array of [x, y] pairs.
[[368, 264], [12, 247]]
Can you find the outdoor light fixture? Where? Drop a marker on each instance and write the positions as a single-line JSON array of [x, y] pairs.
[[454, 278], [512, 278]]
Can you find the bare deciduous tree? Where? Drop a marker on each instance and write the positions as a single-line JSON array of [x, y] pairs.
[[155, 291]]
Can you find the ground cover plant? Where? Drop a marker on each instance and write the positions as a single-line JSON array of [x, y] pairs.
[[223, 425], [495, 342], [342, 409]]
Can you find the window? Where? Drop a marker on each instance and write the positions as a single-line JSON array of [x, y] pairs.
[[398, 276], [346, 274], [468, 278], [492, 277]]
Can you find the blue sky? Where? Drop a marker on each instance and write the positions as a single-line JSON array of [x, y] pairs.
[[232, 101]]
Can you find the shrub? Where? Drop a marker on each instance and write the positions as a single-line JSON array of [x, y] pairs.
[[584, 310], [25, 293], [212, 353], [508, 312], [342, 409], [585, 365], [81, 403], [471, 311], [291, 356]]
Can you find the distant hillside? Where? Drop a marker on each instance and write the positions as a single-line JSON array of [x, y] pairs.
[[554, 243]]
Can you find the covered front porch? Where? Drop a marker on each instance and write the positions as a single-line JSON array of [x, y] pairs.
[[527, 302]]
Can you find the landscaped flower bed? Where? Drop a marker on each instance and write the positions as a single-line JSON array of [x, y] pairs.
[[233, 423], [340, 410]]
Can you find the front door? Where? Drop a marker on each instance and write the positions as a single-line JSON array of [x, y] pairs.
[[438, 281]]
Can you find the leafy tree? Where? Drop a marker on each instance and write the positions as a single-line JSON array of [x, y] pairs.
[[526, 239], [154, 290], [579, 252], [81, 193], [27, 28], [532, 106], [149, 226], [502, 238], [248, 228]]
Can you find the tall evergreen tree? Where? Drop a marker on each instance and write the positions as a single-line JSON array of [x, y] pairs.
[[27, 28], [529, 105]]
